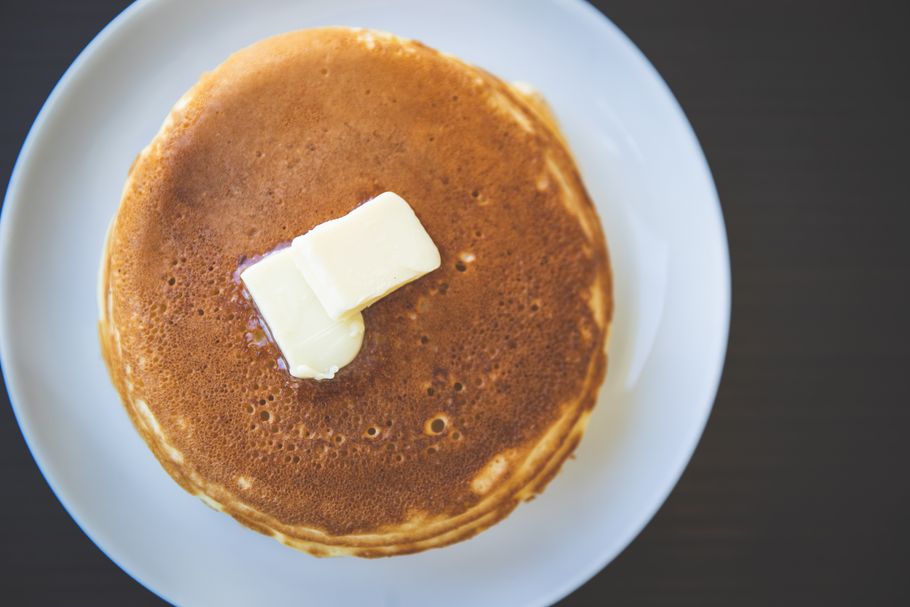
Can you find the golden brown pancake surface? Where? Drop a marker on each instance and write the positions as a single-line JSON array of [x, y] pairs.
[[473, 383]]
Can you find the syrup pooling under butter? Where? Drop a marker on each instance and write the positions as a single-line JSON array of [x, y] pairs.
[[309, 296], [314, 345]]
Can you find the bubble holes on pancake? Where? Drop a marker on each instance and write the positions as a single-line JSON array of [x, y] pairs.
[[315, 440]]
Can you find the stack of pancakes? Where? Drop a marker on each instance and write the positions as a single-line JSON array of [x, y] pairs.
[[474, 383]]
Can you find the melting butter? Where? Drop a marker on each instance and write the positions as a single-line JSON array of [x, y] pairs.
[[314, 345], [353, 261], [310, 295]]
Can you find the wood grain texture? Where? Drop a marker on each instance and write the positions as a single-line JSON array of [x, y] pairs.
[[798, 493]]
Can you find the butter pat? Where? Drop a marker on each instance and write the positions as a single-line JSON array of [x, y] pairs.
[[352, 261], [313, 344], [310, 295]]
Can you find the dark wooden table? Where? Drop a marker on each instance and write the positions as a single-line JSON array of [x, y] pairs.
[[799, 492]]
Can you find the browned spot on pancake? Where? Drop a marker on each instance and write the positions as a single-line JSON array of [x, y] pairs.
[[487, 478], [498, 340]]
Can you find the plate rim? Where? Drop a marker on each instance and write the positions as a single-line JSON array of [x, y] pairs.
[[607, 556], [12, 207]]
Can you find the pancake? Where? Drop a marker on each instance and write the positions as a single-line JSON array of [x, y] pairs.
[[474, 383]]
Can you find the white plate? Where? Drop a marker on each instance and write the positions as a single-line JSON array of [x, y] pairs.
[[653, 190]]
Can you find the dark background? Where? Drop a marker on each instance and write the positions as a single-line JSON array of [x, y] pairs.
[[799, 492]]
